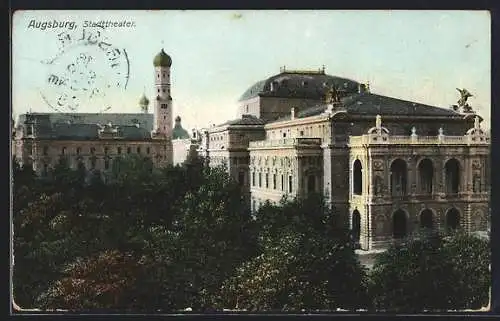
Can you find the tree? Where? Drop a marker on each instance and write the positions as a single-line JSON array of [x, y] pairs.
[[432, 273], [305, 263]]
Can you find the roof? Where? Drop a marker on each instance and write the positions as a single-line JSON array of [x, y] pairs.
[[144, 120], [162, 59], [299, 84], [373, 104], [82, 126], [245, 120], [178, 131]]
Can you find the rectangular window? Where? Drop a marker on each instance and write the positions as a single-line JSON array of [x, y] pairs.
[[260, 179], [119, 150], [78, 150], [129, 150], [138, 150], [274, 181], [241, 178], [29, 130], [282, 182], [63, 151], [290, 184], [106, 150], [148, 150], [253, 178], [267, 180]]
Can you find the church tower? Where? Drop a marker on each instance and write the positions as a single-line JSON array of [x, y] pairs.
[[162, 105]]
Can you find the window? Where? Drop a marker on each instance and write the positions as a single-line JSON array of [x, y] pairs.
[[163, 89], [290, 184], [158, 90], [106, 163], [241, 178], [138, 150], [260, 179], [357, 178], [253, 178], [78, 150], [148, 150], [63, 151], [45, 150], [92, 150], [119, 150], [129, 150], [267, 180], [274, 181], [106, 150], [284, 135], [282, 182], [29, 130], [163, 106]]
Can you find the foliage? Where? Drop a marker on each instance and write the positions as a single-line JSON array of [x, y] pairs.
[[306, 263], [433, 273]]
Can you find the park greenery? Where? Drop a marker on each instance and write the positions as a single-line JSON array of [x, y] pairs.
[[146, 240]]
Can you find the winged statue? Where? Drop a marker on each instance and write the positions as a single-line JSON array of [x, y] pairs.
[[464, 95]]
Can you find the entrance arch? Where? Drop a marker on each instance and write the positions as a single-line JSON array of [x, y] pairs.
[[452, 219], [399, 228], [356, 226], [399, 177], [357, 177], [427, 219]]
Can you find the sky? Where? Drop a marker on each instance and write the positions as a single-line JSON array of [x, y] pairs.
[[421, 56]]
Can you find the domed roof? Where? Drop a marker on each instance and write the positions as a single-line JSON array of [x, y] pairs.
[[144, 100], [162, 59], [307, 84], [178, 132]]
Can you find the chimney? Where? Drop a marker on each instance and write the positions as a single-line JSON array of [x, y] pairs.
[[293, 113]]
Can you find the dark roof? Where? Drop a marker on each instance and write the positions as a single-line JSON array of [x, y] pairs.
[[373, 104], [299, 84], [86, 126], [126, 119], [179, 133], [245, 120]]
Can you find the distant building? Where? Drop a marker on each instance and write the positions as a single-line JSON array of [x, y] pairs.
[[386, 166], [94, 140]]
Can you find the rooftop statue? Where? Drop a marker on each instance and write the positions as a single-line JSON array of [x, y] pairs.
[[464, 95], [332, 95]]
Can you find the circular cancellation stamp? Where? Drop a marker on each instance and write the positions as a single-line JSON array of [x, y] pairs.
[[86, 67]]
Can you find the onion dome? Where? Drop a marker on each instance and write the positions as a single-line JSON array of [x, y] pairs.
[[162, 60]]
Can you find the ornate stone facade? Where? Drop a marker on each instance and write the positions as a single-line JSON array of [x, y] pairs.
[[386, 166]]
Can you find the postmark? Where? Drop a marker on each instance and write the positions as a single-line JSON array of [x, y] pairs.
[[87, 67]]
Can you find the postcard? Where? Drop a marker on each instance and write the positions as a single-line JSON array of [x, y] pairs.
[[293, 161]]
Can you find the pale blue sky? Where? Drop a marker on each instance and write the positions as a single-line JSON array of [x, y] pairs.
[[415, 55]]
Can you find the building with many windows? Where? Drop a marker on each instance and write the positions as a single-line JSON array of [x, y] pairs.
[[387, 167], [94, 140]]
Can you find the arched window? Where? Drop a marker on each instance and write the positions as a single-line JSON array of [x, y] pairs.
[[426, 219], [452, 219], [311, 183], [357, 178], [399, 224], [452, 170], [426, 175], [356, 226], [398, 177]]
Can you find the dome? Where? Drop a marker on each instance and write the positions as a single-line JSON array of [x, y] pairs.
[[178, 132], [162, 60], [305, 84], [144, 100]]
